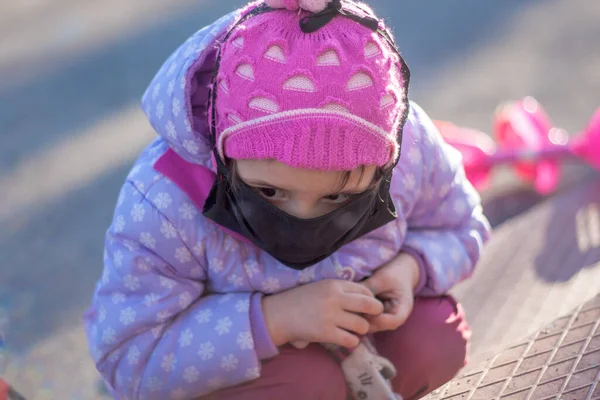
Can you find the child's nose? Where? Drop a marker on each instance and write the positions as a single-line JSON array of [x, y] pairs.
[[302, 209]]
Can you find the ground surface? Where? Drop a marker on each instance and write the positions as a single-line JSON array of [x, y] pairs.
[[72, 73], [560, 361]]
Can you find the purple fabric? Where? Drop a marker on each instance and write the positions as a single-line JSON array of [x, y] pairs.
[[193, 179], [171, 314], [427, 351], [422, 268], [264, 346]]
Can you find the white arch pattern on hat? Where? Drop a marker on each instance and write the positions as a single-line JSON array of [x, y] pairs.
[[275, 53]]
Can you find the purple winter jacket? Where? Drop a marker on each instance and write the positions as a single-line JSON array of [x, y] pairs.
[[177, 312]]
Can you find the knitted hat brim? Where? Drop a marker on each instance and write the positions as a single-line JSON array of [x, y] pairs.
[[317, 138]]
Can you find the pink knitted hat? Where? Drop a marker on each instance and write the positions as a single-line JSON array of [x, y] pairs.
[[333, 99]]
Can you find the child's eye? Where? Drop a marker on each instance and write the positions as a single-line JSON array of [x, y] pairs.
[[338, 198], [270, 193]]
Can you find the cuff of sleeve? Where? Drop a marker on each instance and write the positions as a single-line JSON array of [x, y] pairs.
[[263, 345], [422, 268]]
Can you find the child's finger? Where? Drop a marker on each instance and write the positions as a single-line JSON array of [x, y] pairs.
[[360, 304], [353, 323], [402, 310], [345, 339], [358, 288], [299, 344], [375, 284], [380, 323], [396, 313]]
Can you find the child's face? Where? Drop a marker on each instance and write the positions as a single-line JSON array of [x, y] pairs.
[[303, 193]]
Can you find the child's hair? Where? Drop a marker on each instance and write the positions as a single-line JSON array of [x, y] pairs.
[[343, 181]]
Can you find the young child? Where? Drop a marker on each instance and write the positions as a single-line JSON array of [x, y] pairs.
[[295, 196]]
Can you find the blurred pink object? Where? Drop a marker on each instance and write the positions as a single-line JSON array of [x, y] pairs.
[[527, 139], [476, 148]]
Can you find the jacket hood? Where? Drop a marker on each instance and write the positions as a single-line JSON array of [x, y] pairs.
[[176, 101]]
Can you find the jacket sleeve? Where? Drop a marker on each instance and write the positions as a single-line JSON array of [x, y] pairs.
[[153, 331], [446, 227]]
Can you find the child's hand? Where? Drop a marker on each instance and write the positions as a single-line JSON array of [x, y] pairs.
[[393, 283], [328, 311]]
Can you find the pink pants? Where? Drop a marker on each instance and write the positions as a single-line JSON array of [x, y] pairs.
[[427, 351]]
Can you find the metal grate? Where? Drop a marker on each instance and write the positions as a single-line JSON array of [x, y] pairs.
[[561, 362]]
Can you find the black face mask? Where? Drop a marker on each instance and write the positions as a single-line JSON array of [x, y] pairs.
[[296, 243], [300, 243]]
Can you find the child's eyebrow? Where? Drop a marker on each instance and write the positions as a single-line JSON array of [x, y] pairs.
[[260, 183], [353, 191], [253, 182], [350, 191], [358, 190]]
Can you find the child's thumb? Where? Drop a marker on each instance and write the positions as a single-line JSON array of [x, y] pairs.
[[300, 345], [374, 283], [404, 308]]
